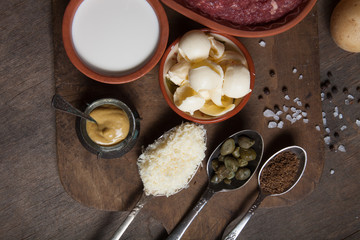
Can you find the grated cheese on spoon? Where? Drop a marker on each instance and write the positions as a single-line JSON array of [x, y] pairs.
[[168, 165]]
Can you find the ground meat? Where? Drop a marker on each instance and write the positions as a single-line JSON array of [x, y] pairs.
[[244, 12]]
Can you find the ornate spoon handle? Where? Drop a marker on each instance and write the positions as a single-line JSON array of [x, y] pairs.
[[240, 226], [61, 104], [180, 229], [140, 204]]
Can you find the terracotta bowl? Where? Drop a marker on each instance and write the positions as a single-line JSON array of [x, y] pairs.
[[281, 25], [118, 77], [168, 60]]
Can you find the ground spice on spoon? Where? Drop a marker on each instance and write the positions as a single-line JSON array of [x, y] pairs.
[[280, 173]]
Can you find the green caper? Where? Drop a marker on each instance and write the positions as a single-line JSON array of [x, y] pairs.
[[223, 172], [215, 179], [236, 152], [242, 174], [242, 162], [245, 142], [230, 176], [247, 154], [227, 181], [215, 164], [227, 147], [231, 163]]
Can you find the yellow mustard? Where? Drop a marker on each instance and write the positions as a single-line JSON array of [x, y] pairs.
[[112, 125]]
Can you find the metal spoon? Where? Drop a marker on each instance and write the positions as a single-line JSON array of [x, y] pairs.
[[61, 104], [143, 200], [301, 154], [212, 188]]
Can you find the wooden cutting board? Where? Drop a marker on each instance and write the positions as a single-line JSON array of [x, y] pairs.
[[114, 185]]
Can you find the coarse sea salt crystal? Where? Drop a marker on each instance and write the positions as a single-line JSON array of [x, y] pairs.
[[298, 117], [285, 108], [301, 76], [276, 117], [294, 70], [272, 124], [357, 122], [347, 102], [296, 99], [323, 114], [324, 121], [336, 114], [343, 127], [280, 124], [262, 43], [278, 113], [317, 127], [287, 97], [350, 97], [304, 114], [293, 109], [268, 113], [299, 103], [327, 140], [341, 148], [305, 120], [340, 116], [288, 117], [327, 130], [332, 171]]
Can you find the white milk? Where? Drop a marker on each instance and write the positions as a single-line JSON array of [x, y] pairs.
[[115, 36]]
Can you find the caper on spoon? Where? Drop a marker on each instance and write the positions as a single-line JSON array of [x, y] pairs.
[[221, 186]]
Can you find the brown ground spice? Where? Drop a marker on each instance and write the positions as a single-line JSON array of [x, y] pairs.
[[280, 173]]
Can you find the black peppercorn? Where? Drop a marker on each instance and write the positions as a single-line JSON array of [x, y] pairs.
[[345, 90], [266, 91], [272, 73], [334, 89], [329, 96], [329, 74]]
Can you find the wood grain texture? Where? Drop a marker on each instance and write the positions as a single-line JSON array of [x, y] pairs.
[[34, 204], [115, 185]]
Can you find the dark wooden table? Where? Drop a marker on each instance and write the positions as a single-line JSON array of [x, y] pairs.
[[34, 205]]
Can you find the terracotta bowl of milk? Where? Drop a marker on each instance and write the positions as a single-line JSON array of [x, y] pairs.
[[115, 41], [184, 76]]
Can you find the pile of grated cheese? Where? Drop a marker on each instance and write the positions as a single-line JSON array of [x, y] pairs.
[[167, 165]]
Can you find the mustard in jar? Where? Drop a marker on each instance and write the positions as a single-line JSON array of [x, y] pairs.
[[112, 125]]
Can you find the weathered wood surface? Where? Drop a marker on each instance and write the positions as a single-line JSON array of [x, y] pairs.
[[34, 204], [115, 184]]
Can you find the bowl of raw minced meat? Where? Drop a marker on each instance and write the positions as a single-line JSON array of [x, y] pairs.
[[245, 18]]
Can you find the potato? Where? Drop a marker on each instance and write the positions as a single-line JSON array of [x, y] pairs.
[[345, 25]]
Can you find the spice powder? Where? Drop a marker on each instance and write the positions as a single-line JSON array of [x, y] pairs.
[[280, 173]]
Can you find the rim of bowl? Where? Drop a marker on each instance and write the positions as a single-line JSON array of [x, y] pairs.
[[227, 115], [150, 64], [175, 5]]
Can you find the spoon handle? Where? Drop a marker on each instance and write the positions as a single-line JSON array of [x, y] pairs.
[[140, 204], [180, 229], [61, 104], [240, 226]]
